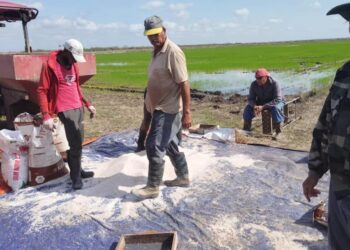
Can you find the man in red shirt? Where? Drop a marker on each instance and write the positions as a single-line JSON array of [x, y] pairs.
[[59, 93]]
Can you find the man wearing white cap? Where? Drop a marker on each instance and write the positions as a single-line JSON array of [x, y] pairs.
[[59, 93], [168, 101]]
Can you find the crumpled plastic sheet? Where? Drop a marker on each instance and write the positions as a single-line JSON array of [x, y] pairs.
[[270, 198], [111, 145]]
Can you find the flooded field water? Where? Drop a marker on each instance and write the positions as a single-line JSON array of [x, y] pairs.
[[239, 81], [116, 64]]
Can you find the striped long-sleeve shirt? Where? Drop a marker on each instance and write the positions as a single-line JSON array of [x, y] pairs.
[[330, 148]]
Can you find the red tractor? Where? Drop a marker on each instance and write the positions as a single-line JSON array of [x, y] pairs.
[[20, 72]]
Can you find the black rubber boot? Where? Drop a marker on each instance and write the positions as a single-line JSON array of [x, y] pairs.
[[247, 125], [277, 127], [86, 174], [155, 172], [77, 184]]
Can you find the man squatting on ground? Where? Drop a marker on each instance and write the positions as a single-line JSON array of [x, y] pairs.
[[330, 150], [59, 93], [264, 93], [168, 93]]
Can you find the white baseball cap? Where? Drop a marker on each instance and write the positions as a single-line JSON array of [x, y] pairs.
[[76, 48]]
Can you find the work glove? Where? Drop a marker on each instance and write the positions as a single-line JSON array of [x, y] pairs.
[[48, 124], [92, 111]]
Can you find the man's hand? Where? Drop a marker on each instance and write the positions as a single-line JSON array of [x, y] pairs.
[[258, 109], [186, 120], [48, 124], [186, 100], [309, 187], [92, 111]]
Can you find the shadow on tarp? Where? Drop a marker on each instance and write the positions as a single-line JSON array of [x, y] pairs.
[[307, 220], [91, 186], [313, 244], [260, 206], [113, 246]]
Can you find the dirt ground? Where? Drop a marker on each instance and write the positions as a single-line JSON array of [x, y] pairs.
[[118, 111]]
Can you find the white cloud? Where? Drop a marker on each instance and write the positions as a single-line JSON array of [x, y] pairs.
[[153, 4], [228, 25], [84, 24], [138, 28], [206, 26], [316, 4], [64, 23], [202, 25], [60, 22], [171, 25], [174, 27], [183, 13], [275, 20], [242, 12], [180, 9], [113, 26], [180, 6]]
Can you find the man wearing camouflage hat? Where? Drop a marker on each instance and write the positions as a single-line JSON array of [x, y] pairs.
[[168, 101], [330, 150]]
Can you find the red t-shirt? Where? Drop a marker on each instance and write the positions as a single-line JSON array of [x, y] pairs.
[[67, 94]]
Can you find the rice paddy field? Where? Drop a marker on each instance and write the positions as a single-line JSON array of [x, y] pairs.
[[128, 68]]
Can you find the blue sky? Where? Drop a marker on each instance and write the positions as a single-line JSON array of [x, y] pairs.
[[120, 23]]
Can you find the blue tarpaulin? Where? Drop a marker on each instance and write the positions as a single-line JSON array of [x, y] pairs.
[[241, 197]]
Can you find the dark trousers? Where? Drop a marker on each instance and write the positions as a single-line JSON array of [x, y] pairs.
[[73, 125], [161, 141], [338, 217]]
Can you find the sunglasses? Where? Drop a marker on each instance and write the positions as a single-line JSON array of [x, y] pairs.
[[259, 78]]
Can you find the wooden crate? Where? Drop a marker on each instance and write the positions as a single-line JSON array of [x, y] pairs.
[[202, 128], [148, 240], [290, 111]]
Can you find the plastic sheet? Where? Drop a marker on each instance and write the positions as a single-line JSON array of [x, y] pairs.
[[241, 197]]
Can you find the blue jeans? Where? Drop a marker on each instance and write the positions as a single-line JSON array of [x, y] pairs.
[[276, 112], [161, 141]]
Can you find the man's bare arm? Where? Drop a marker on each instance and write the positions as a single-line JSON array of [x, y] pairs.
[[186, 102]]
